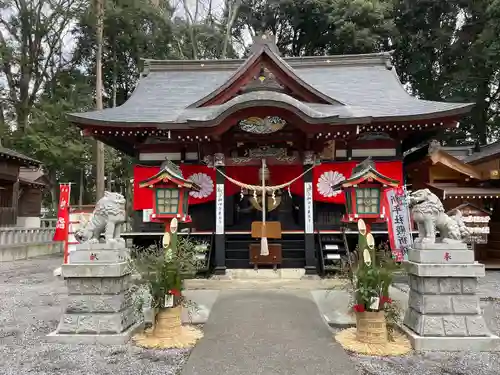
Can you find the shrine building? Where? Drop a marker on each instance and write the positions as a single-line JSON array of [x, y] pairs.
[[298, 125]]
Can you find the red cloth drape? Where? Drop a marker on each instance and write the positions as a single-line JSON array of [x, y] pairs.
[[281, 174], [324, 175], [327, 174], [244, 173], [202, 175], [392, 169]]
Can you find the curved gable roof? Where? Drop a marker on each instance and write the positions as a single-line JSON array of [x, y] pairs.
[[257, 55], [365, 85]]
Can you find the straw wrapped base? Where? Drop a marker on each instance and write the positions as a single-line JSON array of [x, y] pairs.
[[168, 332], [371, 327], [348, 338]]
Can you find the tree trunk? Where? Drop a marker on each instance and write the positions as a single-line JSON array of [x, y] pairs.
[[115, 73], [191, 25], [234, 7], [99, 106], [80, 196], [54, 190]]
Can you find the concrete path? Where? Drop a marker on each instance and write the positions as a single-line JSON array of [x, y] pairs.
[[269, 333]]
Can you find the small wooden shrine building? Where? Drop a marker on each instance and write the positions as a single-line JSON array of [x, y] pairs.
[[21, 189], [468, 181], [312, 119]]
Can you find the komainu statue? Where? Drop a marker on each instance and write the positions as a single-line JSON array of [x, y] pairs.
[[428, 213], [108, 215]]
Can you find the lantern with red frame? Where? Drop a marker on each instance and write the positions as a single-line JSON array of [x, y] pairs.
[[364, 192], [171, 193]]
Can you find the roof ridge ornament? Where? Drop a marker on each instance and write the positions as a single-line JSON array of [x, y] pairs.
[[434, 146], [266, 38], [264, 81]]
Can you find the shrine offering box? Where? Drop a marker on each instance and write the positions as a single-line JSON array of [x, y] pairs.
[[274, 257]]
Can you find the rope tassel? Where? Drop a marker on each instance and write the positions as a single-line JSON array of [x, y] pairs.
[[264, 248]]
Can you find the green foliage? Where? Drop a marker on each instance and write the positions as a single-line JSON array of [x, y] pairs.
[[319, 27], [448, 50], [373, 277], [133, 29], [165, 272], [374, 280], [51, 138], [444, 50], [32, 51]]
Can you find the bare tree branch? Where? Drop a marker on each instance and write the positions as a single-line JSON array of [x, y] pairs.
[[232, 13], [191, 23], [32, 43]]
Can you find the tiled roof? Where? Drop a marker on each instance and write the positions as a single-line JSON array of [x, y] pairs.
[[459, 152], [363, 87], [453, 190], [11, 154], [486, 151], [29, 175]]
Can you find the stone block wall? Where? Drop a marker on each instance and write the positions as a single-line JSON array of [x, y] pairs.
[[98, 306], [100, 298], [444, 306]]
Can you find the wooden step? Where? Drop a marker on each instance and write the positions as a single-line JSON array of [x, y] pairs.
[[493, 244], [492, 253], [494, 225], [494, 236]]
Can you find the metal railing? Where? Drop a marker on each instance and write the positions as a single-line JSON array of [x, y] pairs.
[[12, 236]]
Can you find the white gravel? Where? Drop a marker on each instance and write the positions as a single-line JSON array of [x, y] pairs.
[[31, 299], [441, 363]]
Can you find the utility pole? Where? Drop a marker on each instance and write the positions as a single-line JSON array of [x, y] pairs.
[[99, 106]]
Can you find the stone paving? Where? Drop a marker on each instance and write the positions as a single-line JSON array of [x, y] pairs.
[[267, 332]]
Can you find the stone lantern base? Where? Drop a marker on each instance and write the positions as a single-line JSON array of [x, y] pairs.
[[443, 308], [100, 303]]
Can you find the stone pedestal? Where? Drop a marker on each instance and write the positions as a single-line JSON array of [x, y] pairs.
[[100, 302], [443, 308]]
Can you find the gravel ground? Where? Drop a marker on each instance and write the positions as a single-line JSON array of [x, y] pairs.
[[439, 363], [31, 299], [30, 307]]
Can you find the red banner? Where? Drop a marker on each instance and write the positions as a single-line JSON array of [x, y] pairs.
[[398, 222], [61, 233], [329, 174], [202, 175]]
